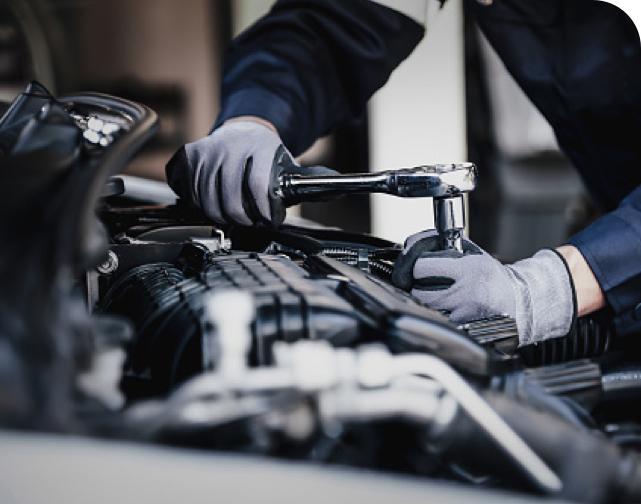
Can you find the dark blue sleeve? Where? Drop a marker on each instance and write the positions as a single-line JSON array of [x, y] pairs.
[[309, 64], [612, 247]]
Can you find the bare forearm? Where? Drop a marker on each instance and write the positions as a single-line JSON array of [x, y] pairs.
[[589, 296]]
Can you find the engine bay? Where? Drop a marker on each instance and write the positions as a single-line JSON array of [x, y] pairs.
[[126, 319]]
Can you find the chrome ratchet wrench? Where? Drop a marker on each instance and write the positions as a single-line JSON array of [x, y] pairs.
[[446, 183]]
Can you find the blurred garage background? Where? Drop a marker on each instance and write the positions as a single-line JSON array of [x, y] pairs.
[[452, 100]]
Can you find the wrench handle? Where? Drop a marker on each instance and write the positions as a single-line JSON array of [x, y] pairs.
[[294, 188]]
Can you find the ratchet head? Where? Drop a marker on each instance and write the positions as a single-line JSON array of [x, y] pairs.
[[436, 181]]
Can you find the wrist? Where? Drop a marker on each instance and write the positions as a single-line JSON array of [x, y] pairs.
[[589, 295], [255, 119]]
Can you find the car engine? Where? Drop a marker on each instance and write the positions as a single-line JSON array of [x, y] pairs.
[[123, 318]]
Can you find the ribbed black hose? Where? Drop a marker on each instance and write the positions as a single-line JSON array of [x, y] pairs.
[[589, 338], [166, 310], [381, 269]]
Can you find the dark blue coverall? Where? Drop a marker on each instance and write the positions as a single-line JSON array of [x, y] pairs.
[[309, 64]]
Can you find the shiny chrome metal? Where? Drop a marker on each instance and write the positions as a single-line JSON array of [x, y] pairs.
[[446, 183], [449, 217], [91, 136], [109, 265], [95, 124], [451, 240], [110, 128], [435, 181]]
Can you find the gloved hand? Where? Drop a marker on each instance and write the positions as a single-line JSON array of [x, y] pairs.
[[537, 292], [232, 174]]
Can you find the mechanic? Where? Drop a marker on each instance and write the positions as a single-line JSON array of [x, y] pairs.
[[310, 64]]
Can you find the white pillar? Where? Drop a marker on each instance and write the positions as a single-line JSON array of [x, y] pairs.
[[418, 117]]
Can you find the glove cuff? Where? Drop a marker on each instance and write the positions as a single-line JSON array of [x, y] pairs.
[[575, 304], [546, 300]]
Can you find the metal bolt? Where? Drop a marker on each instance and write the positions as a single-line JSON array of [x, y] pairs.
[[110, 128], [105, 141], [95, 124], [110, 265], [91, 136]]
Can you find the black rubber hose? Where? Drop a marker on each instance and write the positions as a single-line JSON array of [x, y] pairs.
[[589, 338], [592, 468], [530, 393], [622, 384]]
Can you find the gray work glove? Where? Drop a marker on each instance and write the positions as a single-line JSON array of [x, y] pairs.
[[232, 174], [537, 292]]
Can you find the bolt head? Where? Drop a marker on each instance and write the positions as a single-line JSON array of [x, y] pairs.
[[109, 265]]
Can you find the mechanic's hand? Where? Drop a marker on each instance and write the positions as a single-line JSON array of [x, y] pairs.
[[537, 292], [232, 174]]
